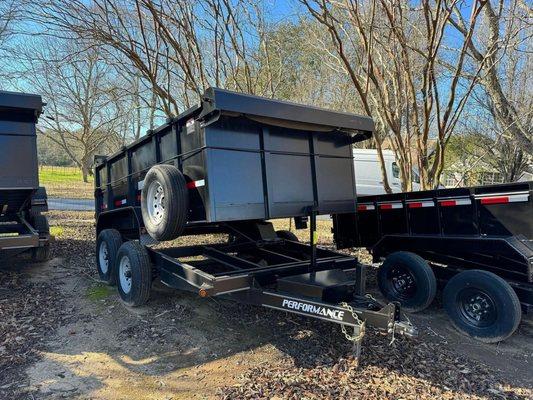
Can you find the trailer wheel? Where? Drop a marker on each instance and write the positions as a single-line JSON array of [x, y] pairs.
[[164, 202], [407, 278], [287, 235], [107, 245], [40, 224], [482, 305], [133, 274]]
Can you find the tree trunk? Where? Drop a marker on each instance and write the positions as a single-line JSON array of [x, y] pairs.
[[85, 173], [384, 176]]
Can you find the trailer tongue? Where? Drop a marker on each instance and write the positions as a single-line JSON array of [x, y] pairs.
[[226, 166]]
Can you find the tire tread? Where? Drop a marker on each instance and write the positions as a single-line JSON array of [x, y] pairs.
[[421, 265], [477, 275], [114, 241], [140, 290], [176, 199]]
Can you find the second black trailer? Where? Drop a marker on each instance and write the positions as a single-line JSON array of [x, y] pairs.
[[475, 243]]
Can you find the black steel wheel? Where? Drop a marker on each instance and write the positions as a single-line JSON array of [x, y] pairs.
[[407, 278], [164, 202], [133, 274], [40, 224], [287, 235], [107, 245], [482, 305]]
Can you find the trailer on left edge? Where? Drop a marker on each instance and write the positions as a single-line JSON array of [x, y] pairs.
[[23, 227]]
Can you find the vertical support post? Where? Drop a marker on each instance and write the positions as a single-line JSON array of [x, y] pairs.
[[313, 241], [109, 188], [176, 131], [264, 132], [360, 279], [157, 140], [131, 195]]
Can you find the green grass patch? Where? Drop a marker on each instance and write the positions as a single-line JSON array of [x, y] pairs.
[[57, 231], [65, 182], [98, 291], [51, 174]]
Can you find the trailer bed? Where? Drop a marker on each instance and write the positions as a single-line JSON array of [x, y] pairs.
[[280, 274]]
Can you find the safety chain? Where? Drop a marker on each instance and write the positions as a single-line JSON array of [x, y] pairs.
[[361, 325]]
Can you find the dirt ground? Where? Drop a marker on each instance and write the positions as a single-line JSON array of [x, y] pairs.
[[63, 334]]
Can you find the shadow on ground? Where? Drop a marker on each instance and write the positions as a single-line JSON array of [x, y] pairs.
[[182, 346]]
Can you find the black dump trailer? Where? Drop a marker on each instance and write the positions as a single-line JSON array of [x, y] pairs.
[[22, 226], [475, 243], [227, 166]]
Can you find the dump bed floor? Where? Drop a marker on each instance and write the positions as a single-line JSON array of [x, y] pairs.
[[223, 266]]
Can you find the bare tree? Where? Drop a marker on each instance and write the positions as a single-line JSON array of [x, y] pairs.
[[84, 108], [176, 48], [504, 44], [391, 52], [9, 15]]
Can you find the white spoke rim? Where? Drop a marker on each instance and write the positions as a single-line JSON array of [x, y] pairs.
[[103, 255], [156, 202], [125, 274]]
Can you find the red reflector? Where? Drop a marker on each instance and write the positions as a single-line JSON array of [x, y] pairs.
[[495, 200], [447, 203], [361, 208], [191, 185], [386, 206], [415, 205]]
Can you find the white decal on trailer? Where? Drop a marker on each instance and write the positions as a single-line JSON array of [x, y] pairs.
[[313, 309]]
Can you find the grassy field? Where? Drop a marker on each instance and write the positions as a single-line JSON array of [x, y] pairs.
[[65, 182]]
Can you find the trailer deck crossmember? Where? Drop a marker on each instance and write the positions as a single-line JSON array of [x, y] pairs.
[[279, 274]]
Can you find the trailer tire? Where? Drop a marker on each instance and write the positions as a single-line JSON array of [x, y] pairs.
[[40, 224], [408, 279], [107, 245], [133, 274], [287, 235], [164, 202], [482, 305]]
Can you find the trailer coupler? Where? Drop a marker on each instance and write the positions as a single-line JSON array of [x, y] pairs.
[[405, 328]]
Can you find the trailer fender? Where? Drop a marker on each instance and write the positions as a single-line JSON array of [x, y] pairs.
[[127, 220]]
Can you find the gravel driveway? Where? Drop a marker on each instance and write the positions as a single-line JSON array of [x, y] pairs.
[[65, 335]]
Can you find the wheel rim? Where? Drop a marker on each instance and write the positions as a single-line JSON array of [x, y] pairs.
[[156, 204], [103, 256], [476, 307], [125, 274], [402, 283]]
